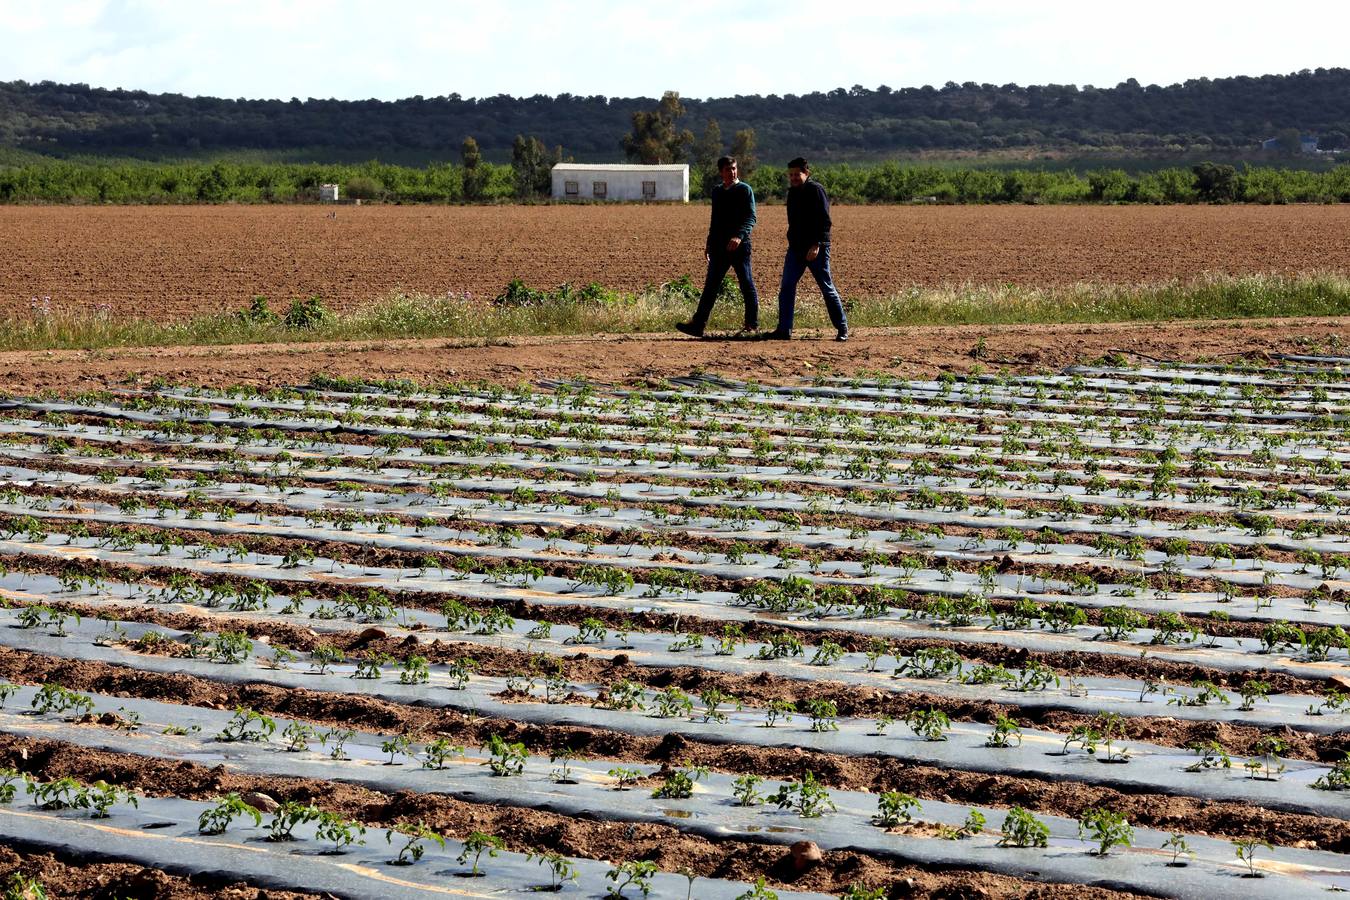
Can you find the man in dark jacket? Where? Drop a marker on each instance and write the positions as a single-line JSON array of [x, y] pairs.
[[808, 213], [728, 247]]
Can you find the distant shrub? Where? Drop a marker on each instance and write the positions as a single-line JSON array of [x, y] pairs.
[[309, 313]]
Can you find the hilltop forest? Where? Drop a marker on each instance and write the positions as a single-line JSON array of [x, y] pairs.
[[1208, 116]]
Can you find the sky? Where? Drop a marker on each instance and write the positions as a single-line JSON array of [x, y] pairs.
[[402, 48]]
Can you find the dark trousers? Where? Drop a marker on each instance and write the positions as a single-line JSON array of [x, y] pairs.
[[718, 263], [794, 266]]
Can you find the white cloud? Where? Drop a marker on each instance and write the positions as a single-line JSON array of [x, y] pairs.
[[401, 48]]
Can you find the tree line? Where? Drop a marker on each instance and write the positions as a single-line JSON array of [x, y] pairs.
[[1211, 116], [473, 179]]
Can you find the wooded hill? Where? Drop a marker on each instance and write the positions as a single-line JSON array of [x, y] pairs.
[[1223, 115]]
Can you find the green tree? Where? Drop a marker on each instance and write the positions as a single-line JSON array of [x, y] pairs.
[[743, 148], [654, 138], [1216, 183], [533, 166], [1289, 142], [475, 177], [704, 157]]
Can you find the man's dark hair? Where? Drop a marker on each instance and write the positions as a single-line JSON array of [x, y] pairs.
[[725, 161], [799, 163]]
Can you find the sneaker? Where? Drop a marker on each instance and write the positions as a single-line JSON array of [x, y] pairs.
[[689, 328], [842, 335], [778, 336]]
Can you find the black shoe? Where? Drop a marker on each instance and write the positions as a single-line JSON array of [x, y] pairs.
[[778, 336], [689, 328], [842, 335]]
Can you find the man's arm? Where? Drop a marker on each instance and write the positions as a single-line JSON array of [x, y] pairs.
[[821, 220], [748, 220]]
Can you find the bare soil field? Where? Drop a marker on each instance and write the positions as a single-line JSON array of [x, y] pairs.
[[168, 262]]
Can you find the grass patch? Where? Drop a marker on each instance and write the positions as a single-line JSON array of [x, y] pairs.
[[593, 310]]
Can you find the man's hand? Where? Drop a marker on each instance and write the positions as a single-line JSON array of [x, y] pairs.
[[813, 253], [733, 244]]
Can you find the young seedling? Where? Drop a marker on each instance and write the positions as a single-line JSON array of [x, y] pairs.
[[823, 714], [338, 737], [415, 835], [973, 825], [56, 699], [459, 672], [808, 797], [562, 772], [712, 699], [1004, 734], [475, 845], [100, 797], [288, 815], [247, 725], [758, 891], [1212, 756], [1022, 829], [560, 869], [371, 666], [1251, 691], [679, 784], [1176, 842], [1266, 765], [507, 759], [895, 807], [624, 778], [436, 755], [398, 745], [633, 873], [342, 832], [778, 709], [1246, 851], [297, 737], [1106, 829], [746, 790], [7, 786], [929, 724], [228, 808], [672, 703], [324, 657], [414, 670]]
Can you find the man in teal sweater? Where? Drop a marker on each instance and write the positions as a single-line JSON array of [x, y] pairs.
[[728, 247]]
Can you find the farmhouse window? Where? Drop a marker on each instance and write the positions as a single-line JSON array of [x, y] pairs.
[[649, 190], [571, 188], [599, 189]]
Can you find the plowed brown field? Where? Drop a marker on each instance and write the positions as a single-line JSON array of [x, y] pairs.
[[173, 261]]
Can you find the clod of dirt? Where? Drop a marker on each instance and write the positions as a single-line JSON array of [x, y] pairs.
[[369, 635], [260, 801], [805, 855]]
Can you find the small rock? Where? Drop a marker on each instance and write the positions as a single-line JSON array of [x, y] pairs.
[[261, 802], [805, 854], [265, 639]]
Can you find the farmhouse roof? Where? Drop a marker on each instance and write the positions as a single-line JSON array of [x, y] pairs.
[[620, 167]]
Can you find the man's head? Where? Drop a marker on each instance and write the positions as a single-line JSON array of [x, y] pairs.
[[729, 170], [798, 171]]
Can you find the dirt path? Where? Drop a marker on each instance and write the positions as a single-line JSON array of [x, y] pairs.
[[913, 351]]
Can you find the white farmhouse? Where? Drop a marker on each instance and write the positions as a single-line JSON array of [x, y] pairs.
[[576, 181]]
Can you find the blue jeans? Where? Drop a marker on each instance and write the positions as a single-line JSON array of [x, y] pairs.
[[718, 263], [794, 265]]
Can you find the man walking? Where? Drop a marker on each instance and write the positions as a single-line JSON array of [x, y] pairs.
[[728, 247], [808, 212]]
